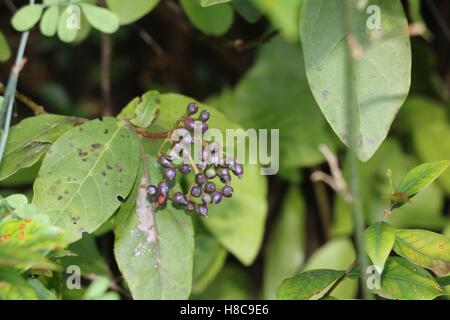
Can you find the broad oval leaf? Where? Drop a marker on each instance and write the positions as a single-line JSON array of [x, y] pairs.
[[100, 18], [154, 249], [84, 173], [65, 33], [382, 68], [26, 17], [308, 284], [379, 240], [402, 280], [422, 176], [131, 10], [425, 248], [30, 139], [214, 20], [49, 21], [285, 250]]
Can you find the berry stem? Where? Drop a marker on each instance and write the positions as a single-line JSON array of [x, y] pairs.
[[152, 135]]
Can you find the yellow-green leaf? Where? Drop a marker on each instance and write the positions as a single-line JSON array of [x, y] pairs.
[[379, 240], [26, 17]]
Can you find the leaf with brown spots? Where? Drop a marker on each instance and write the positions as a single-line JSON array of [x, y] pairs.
[[84, 173], [424, 248]]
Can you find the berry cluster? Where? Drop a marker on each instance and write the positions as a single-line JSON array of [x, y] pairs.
[[211, 169]]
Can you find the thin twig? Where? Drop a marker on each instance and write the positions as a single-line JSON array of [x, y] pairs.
[[11, 6], [148, 39], [105, 76], [33, 106], [441, 22], [342, 278]]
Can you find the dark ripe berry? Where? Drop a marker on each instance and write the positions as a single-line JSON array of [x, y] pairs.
[[210, 173], [202, 165], [185, 168], [163, 188], [192, 108], [189, 123], [210, 187], [202, 210], [204, 127], [225, 178], [190, 206], [161, 200], [204, 116], [238, 170], [152, 190], [200, 178], [165, 162], [216, 197], [170, 173], [196, 192], [227, 191], [179, 198], [206, 198]]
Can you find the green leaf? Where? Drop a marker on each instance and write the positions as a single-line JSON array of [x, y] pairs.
[[30, 139], [5, 51], [142, 111], [209, 258], [41, 291], [49, 21], [336, 254], [15, 287], [379, 240], [237, 223], [232, 283], [247, 10], [154, 249], [285, 250], [66, 34], [214, 20], [207, 3], [309, 284], [284, 15], [84, 173], [16, 201], [131, 10], [382, 70], [265, 99], [100, 18], [425, 248], [403, 280], [26, 17], [422, 176]]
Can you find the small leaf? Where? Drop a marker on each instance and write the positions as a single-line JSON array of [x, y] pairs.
[[425, 248], [214, 20], [15, 287], [403, 280], [42, 292], [247, 10], [207, 3], [84, 173], [379, 240], [422, 176], [131, 10], [66, 31], [308, 284], [16, 201], [30, 139], [49, 21], [147, 109], [101, 18], [26, 17], [5, 51]]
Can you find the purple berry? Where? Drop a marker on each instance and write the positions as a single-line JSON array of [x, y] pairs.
[[206, 198], [152, 190], [202, 165], [216, 197], [185, 168], [192, 108], [163, 187], [204, 127], [202, 210], [210, 173], [238, 170], [200, 178], [189, 123], [227, 191], [204, 116], [190, 206], [170, 173], [196, 192], [210, 187], [165, 162], [179, 198]]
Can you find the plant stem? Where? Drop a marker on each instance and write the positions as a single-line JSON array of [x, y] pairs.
[[33, 106], [10, 92], [353, 138]]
